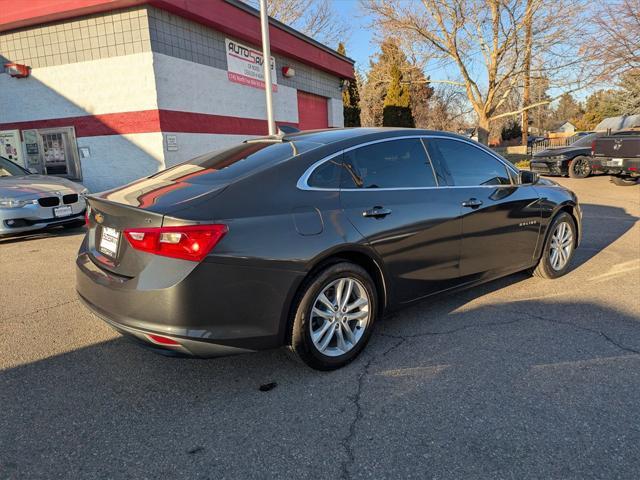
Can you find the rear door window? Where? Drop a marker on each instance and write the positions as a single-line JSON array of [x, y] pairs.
[[467, 165], [391, 164]]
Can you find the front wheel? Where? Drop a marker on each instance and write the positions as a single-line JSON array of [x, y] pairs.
[[558, 248], [579, 167], [334, 316]]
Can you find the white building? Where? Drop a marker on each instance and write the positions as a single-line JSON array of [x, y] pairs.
[[119, 89]]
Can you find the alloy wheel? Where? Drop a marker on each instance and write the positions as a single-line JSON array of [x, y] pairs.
[[581, 167], [339, 316], [561, 246]]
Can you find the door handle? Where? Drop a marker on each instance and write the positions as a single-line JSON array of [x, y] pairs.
[[472, 203], [376, 212]]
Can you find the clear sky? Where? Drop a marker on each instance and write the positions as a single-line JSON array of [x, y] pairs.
[[361, 44]]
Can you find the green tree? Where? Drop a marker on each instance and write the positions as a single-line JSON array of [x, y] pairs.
[[511, 130], [397, 109], [568, 109], [627, 98], [374, 89], [599, 105], [350, 97]]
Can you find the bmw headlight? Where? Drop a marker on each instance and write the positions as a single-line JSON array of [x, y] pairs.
[[84, 192], [16, 203]]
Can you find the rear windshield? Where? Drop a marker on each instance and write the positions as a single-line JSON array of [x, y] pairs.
[[586, 140], [236, 162]]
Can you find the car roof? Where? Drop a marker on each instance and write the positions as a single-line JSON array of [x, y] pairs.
[[333, 135]]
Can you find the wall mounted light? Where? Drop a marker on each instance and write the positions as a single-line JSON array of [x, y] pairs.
[[288, 72], [17, 70]]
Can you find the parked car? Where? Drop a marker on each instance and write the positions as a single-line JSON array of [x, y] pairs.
[[618, 155], [32, 202], [307, 239], [573, 160], [531, 139]]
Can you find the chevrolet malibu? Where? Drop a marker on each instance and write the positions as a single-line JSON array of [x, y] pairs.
[[307, 239], [31, 202]]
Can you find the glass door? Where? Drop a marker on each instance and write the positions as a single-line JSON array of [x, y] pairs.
[[59, 152]]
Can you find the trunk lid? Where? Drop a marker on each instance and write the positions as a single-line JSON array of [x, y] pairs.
[[145, 203]]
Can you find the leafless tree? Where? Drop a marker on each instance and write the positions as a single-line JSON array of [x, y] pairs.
[[485, 43], [315, 18], [615, 41]]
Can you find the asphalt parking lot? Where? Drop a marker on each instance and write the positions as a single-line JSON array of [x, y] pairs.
[[520, 378]]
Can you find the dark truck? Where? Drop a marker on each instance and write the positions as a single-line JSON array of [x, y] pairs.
[[618, 155]]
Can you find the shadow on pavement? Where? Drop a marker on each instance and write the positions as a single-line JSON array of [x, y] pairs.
[[40, 234], [493, 391], [602, 225]]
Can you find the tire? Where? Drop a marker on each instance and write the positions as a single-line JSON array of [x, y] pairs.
[[547, 266], [624, 181], [307, 337], [579, 167]]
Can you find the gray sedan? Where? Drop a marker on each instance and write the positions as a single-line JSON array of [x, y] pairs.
[[31, 202]]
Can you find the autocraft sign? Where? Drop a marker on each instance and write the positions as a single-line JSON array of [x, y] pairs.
[[244, 65]]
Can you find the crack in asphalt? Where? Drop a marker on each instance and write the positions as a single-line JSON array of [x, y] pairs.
[[39, 310], [355, 399], [613, 342], [357, 396], [449, 332]]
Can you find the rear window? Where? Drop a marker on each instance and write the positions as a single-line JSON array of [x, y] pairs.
[[586, 140], [236, 162]]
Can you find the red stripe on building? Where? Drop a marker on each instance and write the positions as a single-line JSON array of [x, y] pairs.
[[189, 122], [143, 121], [217, 14], [147, 121]]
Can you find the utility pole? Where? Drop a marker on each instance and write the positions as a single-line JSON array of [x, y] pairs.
[[526, 92], [266, 64]]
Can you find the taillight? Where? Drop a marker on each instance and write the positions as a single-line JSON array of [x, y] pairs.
[[593, 147], [192, 242]]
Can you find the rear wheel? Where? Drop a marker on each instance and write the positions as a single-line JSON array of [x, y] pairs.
[[624, 181], [558, 248], [334, 316], [579, 167]]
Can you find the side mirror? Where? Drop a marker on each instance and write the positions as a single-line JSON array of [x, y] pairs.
[[527, 177]]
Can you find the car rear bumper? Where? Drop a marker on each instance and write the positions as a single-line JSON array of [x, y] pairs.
[[214, 309], [628, 166]]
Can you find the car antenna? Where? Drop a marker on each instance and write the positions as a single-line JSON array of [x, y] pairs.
[[283, 131]]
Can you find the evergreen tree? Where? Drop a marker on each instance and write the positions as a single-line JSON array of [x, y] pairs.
[[374, 89], [599, 105], [511, 130], [397, 108], [350, 98], [568, 110], [627, 99]]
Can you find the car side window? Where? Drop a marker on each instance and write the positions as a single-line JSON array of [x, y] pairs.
[[327, 175], [391, 164], [467, 165]]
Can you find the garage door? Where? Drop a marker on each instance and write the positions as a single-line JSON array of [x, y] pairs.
[[312, 111]]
